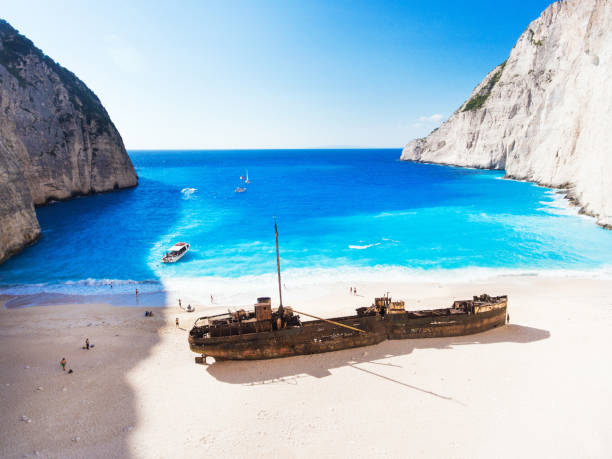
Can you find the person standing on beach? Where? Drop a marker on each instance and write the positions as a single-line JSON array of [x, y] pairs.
[[211, 299], [180, 304], [87, 343], [177, 322], [136, 292], [63, 363], [111, 284]]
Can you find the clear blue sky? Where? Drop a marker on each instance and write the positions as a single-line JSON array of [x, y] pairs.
[[273, 74]]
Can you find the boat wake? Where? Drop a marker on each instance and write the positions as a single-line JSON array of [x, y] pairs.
[[363, 247], [188, 192]]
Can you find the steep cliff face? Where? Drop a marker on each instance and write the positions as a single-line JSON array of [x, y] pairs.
[[56, 140], [545, 115], [18, 224]]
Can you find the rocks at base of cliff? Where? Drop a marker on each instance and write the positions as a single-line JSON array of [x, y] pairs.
[[56, 140], [544, 114]]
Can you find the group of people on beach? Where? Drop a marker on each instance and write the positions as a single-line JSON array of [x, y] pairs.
[[64, 362], [188, 308], [353, 290]]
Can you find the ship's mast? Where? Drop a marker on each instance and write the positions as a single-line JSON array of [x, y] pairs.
[[280, 292]]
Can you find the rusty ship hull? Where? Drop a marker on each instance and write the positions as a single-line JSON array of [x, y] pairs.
[[318, 336]]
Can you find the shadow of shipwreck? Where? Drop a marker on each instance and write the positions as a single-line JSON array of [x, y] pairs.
[[290, 369]]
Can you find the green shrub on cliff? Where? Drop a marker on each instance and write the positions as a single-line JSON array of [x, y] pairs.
[[479, 99]]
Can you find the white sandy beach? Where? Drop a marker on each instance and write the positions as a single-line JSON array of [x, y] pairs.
[[539, 387]]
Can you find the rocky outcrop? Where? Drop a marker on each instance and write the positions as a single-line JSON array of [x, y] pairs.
[[545, 115], [56, 140]]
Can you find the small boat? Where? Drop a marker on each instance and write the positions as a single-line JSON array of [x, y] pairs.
[[240, 189], [176, 252]]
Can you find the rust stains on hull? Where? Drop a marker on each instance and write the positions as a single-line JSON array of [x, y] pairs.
[[440, 327], [320, 336]]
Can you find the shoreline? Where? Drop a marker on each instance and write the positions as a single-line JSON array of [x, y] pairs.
[[138, 393], [241, 291], [567, 190]]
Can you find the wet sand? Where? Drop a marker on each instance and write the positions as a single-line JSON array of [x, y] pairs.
[[537, 387]]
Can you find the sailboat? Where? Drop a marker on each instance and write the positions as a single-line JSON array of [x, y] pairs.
[[242, 189]]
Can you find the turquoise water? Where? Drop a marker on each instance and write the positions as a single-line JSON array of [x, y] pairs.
[[339, 212]]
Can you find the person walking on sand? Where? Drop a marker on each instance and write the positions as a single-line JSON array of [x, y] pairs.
[[177, 322], [180, 304], [63, 363], [87, 343], [211, 299], [136, 292]]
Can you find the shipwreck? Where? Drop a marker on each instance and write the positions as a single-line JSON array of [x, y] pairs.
[[265, 332]]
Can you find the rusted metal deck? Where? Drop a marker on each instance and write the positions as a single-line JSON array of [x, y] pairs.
[[384, 320]]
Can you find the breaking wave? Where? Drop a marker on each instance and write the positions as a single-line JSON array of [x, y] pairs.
[[213, 291], [84, 287]]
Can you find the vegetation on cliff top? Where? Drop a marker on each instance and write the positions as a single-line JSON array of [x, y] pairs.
[[479, 99], [14, 48]]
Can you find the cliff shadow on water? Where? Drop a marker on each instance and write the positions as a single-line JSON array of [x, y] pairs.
[[90, 242], [319, 365]]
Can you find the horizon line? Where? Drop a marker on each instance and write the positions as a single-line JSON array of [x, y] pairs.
[[348, 147]]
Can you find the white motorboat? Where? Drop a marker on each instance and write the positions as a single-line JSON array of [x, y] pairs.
[[176, 252], [240, 189]]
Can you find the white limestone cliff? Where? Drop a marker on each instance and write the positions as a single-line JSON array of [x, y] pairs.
[[546, 114]]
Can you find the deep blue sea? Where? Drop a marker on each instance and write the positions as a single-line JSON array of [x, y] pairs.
[[340, 213]]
